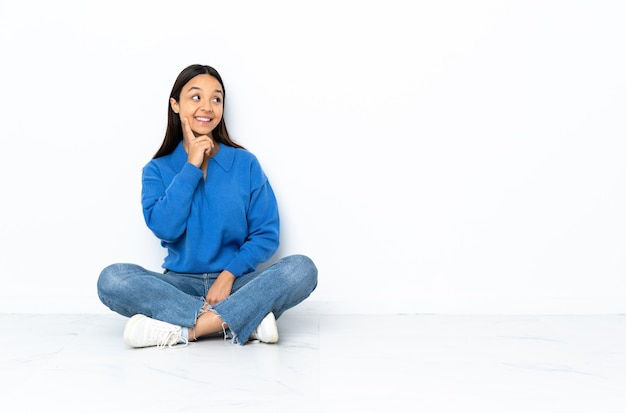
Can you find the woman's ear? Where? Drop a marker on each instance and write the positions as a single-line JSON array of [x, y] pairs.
[[174, 105]]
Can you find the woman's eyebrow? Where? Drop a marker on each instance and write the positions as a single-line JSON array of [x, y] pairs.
[[199, 88]]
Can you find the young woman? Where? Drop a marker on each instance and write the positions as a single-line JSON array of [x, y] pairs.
[[209, 202]]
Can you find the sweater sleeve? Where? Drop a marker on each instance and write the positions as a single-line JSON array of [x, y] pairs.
[[264, 227], [166, 206]]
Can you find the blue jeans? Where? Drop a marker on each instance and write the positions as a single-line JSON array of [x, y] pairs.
[[177, 298]]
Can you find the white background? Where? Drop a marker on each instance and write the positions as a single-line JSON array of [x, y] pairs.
[[430, 156]]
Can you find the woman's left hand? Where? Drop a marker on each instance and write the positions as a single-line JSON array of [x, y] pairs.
[[221, 288]]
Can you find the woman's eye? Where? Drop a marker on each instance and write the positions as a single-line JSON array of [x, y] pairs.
[[217, 99], [195, 97]]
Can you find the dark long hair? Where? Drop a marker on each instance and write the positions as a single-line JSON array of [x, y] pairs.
[[174, 132]]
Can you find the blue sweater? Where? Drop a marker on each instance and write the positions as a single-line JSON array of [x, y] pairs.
[[227, 222]]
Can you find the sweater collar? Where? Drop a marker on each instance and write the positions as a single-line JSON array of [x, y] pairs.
[[224, 157]]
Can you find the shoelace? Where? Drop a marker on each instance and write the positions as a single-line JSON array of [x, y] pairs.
[[169, 338]]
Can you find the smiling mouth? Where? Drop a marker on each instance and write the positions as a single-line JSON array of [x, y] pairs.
[[201, 119]]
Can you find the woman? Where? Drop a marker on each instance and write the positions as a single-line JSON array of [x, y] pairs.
[[209, 202]]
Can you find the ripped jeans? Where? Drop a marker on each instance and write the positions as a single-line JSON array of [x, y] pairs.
[[177, 298]]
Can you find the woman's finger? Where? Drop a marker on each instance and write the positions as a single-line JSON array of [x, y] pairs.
[[187, 132]]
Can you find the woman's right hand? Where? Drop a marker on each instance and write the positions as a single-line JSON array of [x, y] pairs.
[[198, 147]]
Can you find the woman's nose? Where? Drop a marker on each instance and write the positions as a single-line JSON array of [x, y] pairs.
[[207, 106]]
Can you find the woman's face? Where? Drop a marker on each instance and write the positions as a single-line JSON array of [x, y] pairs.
[[202, 103]]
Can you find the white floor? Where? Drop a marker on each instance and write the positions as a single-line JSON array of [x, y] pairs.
[[323, 363]]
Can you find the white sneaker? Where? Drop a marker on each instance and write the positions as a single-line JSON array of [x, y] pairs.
[[267, 331], [143, 331]]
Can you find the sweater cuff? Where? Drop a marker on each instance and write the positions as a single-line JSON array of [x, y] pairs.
[[237, 268], [190, 173]]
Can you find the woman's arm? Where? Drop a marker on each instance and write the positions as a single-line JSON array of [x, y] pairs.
[[166, 205], [263, 231]]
